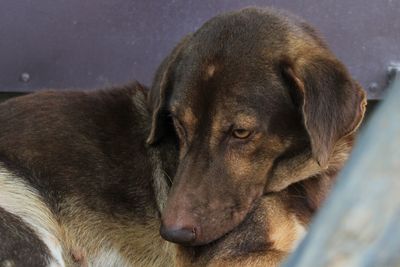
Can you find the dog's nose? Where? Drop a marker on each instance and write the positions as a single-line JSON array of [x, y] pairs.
[[178, 235]]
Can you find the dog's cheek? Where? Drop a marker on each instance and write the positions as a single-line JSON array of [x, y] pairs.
[[247, 170]]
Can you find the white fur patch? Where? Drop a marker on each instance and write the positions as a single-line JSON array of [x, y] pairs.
[[301, 232], [110, 258], [20, 199]]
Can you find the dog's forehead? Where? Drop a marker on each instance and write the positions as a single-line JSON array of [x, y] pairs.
[[220, 112], [216, 72], [241, 118], [229, 90]]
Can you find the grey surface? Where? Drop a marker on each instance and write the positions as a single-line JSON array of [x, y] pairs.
[[359, 225], [92, 43]]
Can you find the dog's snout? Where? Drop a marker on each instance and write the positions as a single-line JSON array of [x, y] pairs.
[[181, 235]]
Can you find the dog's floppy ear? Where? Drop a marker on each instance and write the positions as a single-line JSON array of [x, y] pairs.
[[159, 92], [332, 103]]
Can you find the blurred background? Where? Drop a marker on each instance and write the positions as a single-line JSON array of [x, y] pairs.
[[97, 43]]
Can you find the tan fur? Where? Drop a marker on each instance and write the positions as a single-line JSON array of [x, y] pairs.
[[129, 242], [210, 70], [190, 120], [284, 229], [271, 258], [216, 128], [246, 121], [7, 263], [238, 166]]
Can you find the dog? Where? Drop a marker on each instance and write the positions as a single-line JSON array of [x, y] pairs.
[[79, 187], [260, 105], [229, 155]]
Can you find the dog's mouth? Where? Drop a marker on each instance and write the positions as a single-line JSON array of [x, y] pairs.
[[204, 227], [203, 233]]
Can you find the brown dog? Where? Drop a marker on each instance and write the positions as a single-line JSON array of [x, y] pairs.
[[259, 103], [79, 187], [265, 117]]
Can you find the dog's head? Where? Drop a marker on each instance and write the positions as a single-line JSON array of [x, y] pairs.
[[257, 102]]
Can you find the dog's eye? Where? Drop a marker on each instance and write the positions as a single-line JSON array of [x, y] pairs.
[[241, 133]]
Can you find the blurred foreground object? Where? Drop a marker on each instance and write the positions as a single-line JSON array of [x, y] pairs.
[[359, 225]]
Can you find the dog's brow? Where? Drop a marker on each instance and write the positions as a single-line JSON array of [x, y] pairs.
[[246, 120], [188, 116]]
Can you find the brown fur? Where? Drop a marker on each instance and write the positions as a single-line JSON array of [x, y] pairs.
[[268, 75]]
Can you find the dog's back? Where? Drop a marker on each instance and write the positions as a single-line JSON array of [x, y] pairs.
[[66, 165]]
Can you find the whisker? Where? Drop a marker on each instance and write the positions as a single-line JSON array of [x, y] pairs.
[[168, 177]]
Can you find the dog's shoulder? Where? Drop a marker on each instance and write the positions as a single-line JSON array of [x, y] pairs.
[[64, 142]]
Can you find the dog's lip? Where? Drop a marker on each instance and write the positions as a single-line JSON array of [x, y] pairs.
[[178, 235], [208, 242], [199, 241]]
